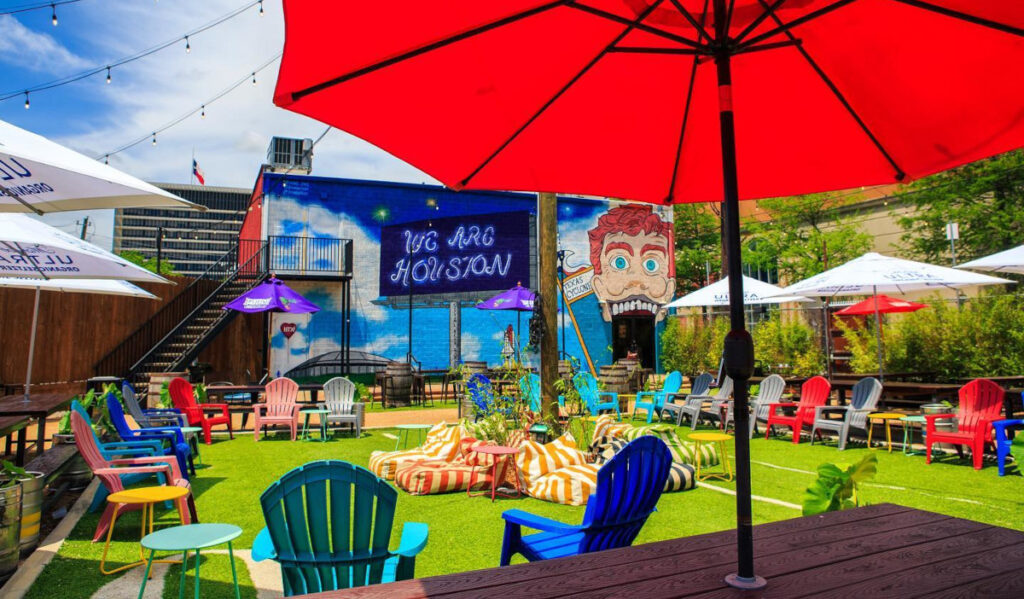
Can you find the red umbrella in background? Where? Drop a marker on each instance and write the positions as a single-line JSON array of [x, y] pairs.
[[666, 101], [878, 305]]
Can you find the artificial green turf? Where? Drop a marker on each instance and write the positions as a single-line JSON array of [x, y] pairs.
[[465, 533]]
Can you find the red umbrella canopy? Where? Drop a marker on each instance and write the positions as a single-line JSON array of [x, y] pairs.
[[619, 97], [881, 304]]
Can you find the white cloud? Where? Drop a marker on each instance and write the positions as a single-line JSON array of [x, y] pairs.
[[39, 52], [383, 343]]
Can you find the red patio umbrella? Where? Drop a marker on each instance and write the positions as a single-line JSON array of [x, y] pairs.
[[878, 305], [667, 101]]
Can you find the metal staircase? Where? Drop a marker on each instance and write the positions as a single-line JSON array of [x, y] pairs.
[[176, 334]]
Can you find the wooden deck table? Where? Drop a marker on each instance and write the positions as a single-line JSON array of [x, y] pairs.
[[38, 407], [882, 550], [9, 425]]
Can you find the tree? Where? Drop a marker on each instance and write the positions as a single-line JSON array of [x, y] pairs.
[[802, 234], [166, 268], [986, 198], [697, 246]]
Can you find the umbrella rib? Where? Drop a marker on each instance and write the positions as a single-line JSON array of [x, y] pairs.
[[8, 192], [17, 248], [760, 19], [562, 91], [701, 31], [637, 24], [900, 173], [964, 16], [794, 23], [686, 115], [298, 95]]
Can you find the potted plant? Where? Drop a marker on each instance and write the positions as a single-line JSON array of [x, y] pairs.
[[10, 518]]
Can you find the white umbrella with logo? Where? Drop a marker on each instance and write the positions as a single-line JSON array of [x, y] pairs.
[[1011, 260], [38, 175], [755, 292]]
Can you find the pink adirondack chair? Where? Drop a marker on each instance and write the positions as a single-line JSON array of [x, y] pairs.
[[813, 393], [110, 471], [281, 406], [980, 402]]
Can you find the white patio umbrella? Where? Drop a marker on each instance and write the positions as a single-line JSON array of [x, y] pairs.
[[1011, 260], [755, 292], [38, 175], [32, 249], [873, 273], [98, 286]]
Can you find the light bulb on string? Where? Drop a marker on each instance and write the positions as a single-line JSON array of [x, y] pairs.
[[154, 138], [202, 114], [254, 78], [261, 8], [54, 19], [188, 47], [108, 75], [106, 159], [27, 105]]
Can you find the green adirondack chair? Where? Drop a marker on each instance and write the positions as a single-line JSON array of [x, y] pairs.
[[321, 542]]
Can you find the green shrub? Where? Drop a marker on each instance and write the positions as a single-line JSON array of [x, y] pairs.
[[788, 346], [836, 489], [695, 348]]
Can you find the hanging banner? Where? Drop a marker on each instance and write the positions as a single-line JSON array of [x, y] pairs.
[[483, 252]]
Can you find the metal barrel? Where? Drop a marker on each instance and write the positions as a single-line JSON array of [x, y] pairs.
[[31, 510], [10, 530]]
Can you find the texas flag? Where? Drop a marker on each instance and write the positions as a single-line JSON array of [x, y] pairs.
[[198, 172]]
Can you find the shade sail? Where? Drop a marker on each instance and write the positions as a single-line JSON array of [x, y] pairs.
[[38, 175], [755, 292], [32, 249], [1011, 260], [873, 273]]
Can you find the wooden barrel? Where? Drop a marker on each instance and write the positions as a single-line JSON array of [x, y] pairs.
[[31, 510], [399, 383], [634, 372], [156, 382], [564, 369], [615, 378]]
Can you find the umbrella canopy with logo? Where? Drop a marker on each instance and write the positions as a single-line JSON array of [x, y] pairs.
[[38, 175], [1011, 260], [755, 292], [272, 295], [665, 101], [97, 286], [518, 298], [30, 248]]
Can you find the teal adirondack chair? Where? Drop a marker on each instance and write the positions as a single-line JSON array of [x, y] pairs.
[[529, 390], [654, 401], [321, 542], [586, 386]]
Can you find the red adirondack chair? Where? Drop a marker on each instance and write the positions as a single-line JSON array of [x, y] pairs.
[[185, 401], [980, 402], [111, 473], [281, 406], [813, 393]]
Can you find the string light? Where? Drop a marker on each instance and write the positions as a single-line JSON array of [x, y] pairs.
[[261, 8], [137, 56], [254, 78], [188, 48], [26, 101], [203, 114], [154, 138], [108, 75], [106, 159], [51, 5]]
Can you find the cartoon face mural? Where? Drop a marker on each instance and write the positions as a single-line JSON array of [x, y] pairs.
[[632, 252]]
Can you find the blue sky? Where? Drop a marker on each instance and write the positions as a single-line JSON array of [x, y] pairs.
[[93, 117]]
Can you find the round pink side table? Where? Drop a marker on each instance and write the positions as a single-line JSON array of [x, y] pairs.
[[499, 452]]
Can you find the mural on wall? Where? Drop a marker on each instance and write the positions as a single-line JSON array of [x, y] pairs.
[[463, 256]]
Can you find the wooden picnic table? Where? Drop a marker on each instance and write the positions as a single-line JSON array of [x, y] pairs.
[[254, 391], [882, 550], [9, 425], [38, 407]]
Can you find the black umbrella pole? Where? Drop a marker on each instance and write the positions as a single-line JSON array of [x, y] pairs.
[[739, 347]]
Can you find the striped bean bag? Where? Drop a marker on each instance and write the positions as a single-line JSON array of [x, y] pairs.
[[683, 452], [556, 471], [468, 469], [441, 443], [680, 476]]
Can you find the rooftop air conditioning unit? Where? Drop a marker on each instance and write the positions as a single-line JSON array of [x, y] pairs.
[[290, 155]]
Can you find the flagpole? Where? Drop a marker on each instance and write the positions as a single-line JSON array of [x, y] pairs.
[[192, 168]]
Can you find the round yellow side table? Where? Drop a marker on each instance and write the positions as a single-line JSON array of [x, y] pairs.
[[720, 440], [885, 417], [147, 497]]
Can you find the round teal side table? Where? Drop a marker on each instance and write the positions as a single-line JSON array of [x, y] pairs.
[[405, 428], [322, 414], [191, 433], [908, 446], [187, 538]]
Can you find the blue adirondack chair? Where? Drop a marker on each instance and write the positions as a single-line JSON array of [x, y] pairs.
[[593, 398], [120, 449], [321, 542], [628, 488], [654, 401], [176, 444]]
